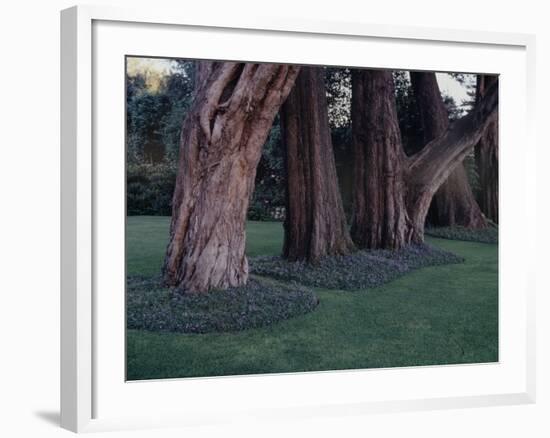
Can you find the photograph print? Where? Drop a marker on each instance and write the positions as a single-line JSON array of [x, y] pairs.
[[299, 218]]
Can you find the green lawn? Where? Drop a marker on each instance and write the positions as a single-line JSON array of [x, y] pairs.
[[437, 315]]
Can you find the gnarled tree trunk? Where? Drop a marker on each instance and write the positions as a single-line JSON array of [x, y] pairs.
[[393, 192], [221, 141], [380, 218], [454, 202], [486, 153], [315, 224]]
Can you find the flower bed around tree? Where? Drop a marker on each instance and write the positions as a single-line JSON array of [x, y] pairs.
[[360, 270], [261, 302]]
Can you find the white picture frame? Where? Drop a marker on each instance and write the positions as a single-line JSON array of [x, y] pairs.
[[86, 379]]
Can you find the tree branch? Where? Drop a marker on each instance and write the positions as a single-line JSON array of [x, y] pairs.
[[227, 72], [432, 165]]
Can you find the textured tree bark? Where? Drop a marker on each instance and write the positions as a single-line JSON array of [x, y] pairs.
[[315, 224], [393, 192], [380, 218], [486, 154], [454, 203], [221, 140], [430, 167]]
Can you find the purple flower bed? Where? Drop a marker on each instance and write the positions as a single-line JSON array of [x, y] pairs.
[[149, 306], [360, 270]]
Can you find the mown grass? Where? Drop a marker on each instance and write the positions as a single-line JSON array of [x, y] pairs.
[[436, 315]]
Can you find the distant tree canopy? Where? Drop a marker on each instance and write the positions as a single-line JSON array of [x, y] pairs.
[[154, 113], [155, 108]]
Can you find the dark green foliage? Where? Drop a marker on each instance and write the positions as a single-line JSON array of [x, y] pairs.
[[153, 124], [134, 86], [151, 307], [149, 188], [407, 113], [154, 116], [268, 200], [143, 125], [343, 156], [178, 87], [360, 270], [483, 235]]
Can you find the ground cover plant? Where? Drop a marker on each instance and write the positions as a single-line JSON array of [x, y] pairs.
[[152, 307], [359, 270]]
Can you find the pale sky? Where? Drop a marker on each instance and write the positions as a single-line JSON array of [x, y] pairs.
[[142, 65], [447, 84]]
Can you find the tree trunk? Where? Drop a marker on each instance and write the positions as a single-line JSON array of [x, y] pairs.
[[454, 203], [379, 218], [393, 192], [315, 224], [486, 153], [221, 141]]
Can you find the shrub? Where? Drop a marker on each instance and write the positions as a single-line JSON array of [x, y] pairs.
[[149, 188]]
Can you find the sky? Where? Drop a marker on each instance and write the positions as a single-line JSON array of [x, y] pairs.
[[141, 65], [447, 84]]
